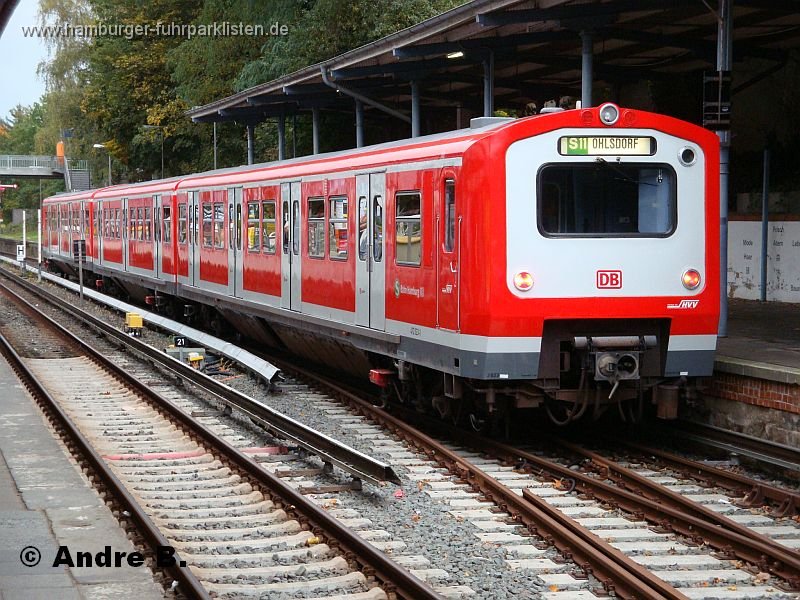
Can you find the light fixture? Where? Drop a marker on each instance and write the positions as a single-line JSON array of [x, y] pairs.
[[691, 279], [523, 281], [609, 114], [457, 54]]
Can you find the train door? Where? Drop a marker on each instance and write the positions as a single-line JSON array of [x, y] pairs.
[[448, 233], [370, 266], [290, 240], [193, 203], [156, 235], [234, 241]]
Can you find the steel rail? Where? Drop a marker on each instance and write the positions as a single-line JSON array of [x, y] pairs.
[[737, 443], [616, 571], [329, 450], [188, 583], [374, 562], [755, 492]]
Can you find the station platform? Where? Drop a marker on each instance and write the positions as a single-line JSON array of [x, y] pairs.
[[758, 367], [46, 502]]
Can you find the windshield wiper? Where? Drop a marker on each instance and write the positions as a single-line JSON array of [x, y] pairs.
[[621, 173]]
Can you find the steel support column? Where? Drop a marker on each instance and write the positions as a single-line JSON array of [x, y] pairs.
[[281, 137], [415, 129], [764, 225], [315, 129], [488, 85], [586, 68], [251, 134], [359, 124], [724, 62]]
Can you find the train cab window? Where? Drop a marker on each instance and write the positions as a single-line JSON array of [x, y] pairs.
[[316, 227], [208, 232], [408, 238], [607, 199], [337, 228], [253, 227], [268, 232], [182, 224], [166, 224], [449, 215], [219, 225]]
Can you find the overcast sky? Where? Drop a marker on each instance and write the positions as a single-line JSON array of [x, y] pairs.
[[19, 83]]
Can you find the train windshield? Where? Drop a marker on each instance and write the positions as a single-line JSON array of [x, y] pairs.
[[607, 199]]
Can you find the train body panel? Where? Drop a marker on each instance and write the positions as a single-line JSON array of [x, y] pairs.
[[535, 255]]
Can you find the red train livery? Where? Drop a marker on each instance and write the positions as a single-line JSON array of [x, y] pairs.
[[567, 260]]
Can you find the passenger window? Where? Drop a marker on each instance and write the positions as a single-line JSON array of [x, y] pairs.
[[316, 227], [182, 224], [268, 232], [337, 229], [253, 227], [377, 228], [449, 215], [147, 225], [363, 239], [408, 238], [208, 228], [296, 227], [166, 212], [219, 225]]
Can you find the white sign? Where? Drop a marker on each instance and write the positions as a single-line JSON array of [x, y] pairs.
[[20, 252], [783, 260]]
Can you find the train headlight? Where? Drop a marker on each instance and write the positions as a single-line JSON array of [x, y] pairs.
[[523, 281], [691, 279], [609, 114]]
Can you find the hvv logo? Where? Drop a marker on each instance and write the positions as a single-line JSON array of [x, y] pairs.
[[609, 280], [684, 304]]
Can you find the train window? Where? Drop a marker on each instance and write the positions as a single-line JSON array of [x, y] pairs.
[[139, 224], [219, 225], [285, 217], [337, 228], [253, 227], [363, 239], [408, 238], [316, 227], [449, 215], [607, 199], [166, 223], [118, 223], [208, 232], [377, 228], [148, 229], [182, 224], [268, 232], [296, 227]]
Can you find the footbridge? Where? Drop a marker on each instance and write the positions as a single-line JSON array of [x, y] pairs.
[[75, 173]]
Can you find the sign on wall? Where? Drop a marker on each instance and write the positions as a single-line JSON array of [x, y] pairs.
[[783, 260]]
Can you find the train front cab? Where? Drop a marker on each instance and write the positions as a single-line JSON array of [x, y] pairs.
[[612, 257]]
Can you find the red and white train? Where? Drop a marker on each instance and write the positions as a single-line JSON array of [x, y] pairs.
[[567, 259]]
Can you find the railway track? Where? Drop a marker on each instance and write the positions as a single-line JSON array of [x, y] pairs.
[[239, 529], [523, 509]]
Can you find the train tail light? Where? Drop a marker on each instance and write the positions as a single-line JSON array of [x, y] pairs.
[[691, 279], [523, 281]]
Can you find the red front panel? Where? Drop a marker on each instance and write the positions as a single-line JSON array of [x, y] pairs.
[[261, 266]]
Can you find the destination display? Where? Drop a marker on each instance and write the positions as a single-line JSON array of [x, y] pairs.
[[606, 145]]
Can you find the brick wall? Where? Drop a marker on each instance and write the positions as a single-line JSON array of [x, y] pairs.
[[758, 392]]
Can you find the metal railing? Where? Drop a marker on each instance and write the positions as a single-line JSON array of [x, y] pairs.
[[52, 163]]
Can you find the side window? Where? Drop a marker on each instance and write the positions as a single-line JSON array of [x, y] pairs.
[[363, 239], [118, 218], [296, 227], [208, 240], [377, 228], [408, 238], [337, 228], [182, 224], [219, 225], [285, 218], [253, 227], [316, 227], [147, 225], [449, 215], [166, 220], [268, 232]]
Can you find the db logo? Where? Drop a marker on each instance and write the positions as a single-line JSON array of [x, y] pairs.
[[609, 280]]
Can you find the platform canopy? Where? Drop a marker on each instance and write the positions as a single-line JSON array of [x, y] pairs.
[[501, 53]]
